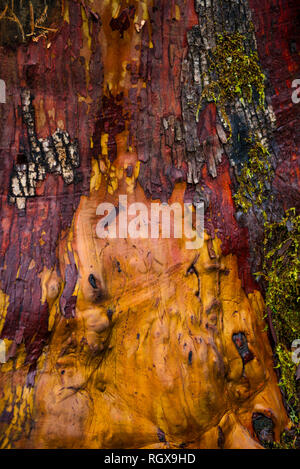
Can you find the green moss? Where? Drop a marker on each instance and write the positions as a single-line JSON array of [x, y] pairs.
[[281, 269], [253, 178], [235, 73], [287, 380], [289, 439]]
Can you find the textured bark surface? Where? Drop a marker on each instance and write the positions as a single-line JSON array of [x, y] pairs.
[[139, 343]]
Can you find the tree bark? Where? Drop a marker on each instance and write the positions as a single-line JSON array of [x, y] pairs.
[[141, 343]]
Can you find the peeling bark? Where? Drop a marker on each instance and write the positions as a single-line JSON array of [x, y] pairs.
[[122, 343]]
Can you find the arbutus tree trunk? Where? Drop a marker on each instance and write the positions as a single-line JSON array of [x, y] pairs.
[[129, 342]]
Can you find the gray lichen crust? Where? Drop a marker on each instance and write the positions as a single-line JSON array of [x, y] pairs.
[[55, 154], [244, 117]]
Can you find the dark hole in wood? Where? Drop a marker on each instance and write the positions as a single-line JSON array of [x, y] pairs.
[[109, 313], [241, 344], [263, 427], [93, 281]]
